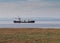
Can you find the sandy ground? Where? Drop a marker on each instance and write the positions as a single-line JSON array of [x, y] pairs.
[[29, 35]]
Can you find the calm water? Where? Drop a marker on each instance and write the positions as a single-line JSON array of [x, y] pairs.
[[29, 25], [40, 23]]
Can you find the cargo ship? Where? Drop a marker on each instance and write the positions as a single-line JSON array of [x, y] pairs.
[[20, 21]]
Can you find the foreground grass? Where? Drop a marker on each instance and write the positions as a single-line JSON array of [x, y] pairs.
[[29, 35]]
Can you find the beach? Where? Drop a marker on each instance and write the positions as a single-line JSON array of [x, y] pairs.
[[29, 35]]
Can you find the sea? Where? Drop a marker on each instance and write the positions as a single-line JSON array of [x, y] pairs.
[[40, 22]]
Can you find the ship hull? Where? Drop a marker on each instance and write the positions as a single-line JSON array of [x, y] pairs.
[[24, 22]]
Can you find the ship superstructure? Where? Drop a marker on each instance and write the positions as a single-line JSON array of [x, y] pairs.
[[24, 21]]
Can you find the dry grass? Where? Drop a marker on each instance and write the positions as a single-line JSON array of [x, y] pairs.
[[29, 35]]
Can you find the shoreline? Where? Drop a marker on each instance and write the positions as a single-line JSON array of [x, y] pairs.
[[28, 30], [34, 28]]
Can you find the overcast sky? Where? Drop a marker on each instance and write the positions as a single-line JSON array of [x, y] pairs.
[[28, 8]]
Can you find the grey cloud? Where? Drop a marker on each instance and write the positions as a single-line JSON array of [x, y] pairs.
[[43, 9]]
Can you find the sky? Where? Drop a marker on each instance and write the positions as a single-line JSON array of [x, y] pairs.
[[29, 8]]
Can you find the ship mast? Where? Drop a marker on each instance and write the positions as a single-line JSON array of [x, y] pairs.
[[19, 19]]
